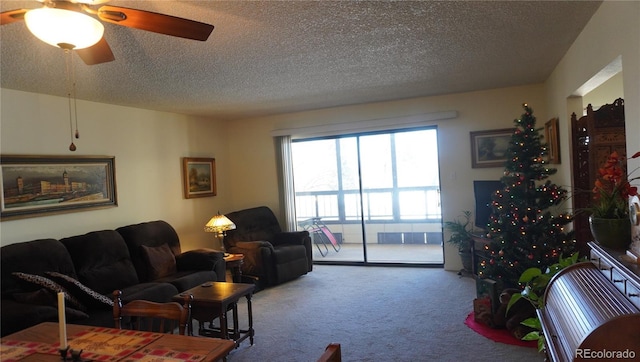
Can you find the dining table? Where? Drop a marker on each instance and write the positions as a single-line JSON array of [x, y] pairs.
[[42, 343]]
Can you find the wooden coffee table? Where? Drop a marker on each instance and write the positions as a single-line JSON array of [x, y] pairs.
[[213, 300]]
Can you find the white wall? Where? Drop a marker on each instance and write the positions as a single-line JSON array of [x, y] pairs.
[[148, 147], [606, 93], [612, 32]]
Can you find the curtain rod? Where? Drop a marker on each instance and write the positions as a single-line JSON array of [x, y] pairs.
[[333, 129]]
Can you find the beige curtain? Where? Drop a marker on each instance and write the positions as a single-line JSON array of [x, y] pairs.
[[288, 198]]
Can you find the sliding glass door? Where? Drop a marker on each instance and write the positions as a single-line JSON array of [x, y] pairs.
[[371, 198]]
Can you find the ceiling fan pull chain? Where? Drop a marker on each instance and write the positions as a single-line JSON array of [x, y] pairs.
[[67, 61], [75, 98]]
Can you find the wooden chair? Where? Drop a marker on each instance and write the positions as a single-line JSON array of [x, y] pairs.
[[331, 354], [152, 316]]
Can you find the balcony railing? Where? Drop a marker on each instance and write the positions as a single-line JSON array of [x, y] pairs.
[[409, 204]]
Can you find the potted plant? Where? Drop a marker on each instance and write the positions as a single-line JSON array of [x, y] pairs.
[[461, 231], [609, 219], [535, 283]]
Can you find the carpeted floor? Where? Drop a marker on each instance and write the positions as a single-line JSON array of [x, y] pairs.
[[376, 314]]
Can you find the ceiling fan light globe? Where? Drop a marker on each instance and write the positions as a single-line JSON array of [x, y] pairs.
[[59, 26]]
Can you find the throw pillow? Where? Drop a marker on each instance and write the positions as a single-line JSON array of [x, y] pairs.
[[84, 294], [160, 261], [51, 286]]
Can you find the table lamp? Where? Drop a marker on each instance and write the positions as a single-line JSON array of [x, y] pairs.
[[219, 224]]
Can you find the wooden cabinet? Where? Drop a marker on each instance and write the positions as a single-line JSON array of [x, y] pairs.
[[594, 137], [625, 276], [593, 307]]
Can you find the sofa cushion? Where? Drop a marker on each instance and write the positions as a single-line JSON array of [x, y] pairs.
[[102, 261], [73, 315], [289, 252], [189, 279], [49, 285], [17, 316], [152, 233], [291, 262], [39, 297], [86, 295], [32, 257], [200, 259], [160, 261], [45, 297], [155, 292]]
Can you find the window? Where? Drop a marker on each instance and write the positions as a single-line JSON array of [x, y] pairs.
[[388, 177]]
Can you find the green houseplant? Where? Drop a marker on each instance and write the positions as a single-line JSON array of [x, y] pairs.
[[535, 282], [461, 230]]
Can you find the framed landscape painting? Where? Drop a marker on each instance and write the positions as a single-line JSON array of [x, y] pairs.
[[199, 177], [488, 148], [42, 185]]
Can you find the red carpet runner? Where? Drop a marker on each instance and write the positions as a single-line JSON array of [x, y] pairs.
[[497, 335]]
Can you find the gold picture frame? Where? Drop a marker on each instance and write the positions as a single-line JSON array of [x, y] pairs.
[[553, 140], [488, 148], [33, 186], [199, 177]]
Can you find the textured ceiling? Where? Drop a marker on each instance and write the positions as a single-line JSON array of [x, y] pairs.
[[268, 57]]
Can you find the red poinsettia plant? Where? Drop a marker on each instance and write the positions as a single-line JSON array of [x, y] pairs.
[[613, 188]]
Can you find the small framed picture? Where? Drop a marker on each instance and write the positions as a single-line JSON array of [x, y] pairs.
[[199, 177], [488, 148], [553, 140]]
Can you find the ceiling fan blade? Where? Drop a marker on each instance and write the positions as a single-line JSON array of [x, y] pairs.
[[157, 23], [96, 54], [8, 17]]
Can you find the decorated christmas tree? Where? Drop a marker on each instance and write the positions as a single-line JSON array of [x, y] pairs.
[[523, 231]]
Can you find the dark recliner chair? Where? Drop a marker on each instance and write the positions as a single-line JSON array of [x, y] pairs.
[[271, 256]]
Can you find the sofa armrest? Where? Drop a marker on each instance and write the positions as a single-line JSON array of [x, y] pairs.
[[199, 259], [296, 238], [243, 247], [258, 259], [290, 238]]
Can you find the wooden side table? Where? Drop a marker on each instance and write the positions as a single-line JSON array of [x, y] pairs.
[[234, 264], [213, 300]]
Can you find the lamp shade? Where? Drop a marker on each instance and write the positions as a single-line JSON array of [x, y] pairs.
[[219, 224], [60, 27]]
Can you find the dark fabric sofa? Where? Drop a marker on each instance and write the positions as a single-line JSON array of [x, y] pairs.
[[271, 256], [90, 267]]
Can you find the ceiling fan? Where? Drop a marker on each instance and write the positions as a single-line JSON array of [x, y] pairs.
[[58, 15]]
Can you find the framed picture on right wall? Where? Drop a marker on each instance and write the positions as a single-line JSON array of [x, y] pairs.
[[553, 140]]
